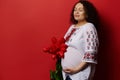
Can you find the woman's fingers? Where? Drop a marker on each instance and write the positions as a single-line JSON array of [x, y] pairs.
[[68, 70]]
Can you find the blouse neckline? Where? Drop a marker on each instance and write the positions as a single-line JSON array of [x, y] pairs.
[[80, 26]]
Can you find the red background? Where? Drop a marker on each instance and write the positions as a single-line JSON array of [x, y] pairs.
[[26, 26]]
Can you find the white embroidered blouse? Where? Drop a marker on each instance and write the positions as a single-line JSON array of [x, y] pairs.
[[82, 45]]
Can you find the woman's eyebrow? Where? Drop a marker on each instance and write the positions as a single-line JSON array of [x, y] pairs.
[[78, 8]]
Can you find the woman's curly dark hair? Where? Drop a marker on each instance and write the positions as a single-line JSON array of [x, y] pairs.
[[90, 10]]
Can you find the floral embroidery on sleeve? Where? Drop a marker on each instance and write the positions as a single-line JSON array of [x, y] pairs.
[[91, 45], [90, 57], [91, 41]]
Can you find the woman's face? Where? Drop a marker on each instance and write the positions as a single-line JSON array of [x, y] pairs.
[[79, 12]]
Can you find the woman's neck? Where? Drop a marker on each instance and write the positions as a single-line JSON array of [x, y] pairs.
[[80, 23]]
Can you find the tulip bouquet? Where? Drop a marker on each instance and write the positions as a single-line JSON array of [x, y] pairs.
[[57, 50]]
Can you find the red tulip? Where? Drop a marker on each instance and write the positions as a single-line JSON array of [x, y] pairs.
[[63, 45], [57, 48], [61, 40], [63, 49], [53, 56], [61, 54], [45, 49]]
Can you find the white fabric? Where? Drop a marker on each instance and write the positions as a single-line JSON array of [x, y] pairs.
[[82, 47]]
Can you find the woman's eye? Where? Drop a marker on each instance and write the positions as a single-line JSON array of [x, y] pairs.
[[75, 9], [80, 10]]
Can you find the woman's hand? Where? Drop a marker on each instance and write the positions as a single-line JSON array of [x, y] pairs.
[[71, 70], [75, 69]]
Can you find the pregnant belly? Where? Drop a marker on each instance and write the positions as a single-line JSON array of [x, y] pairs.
[[72, 58]]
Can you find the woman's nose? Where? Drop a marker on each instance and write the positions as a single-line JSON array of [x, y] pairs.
[[77, 12]]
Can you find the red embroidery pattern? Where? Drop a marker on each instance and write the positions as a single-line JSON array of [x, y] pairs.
[[92, 42], [90, 56], [73, 30]]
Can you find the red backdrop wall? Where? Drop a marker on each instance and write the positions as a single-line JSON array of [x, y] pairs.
[[26, 26]]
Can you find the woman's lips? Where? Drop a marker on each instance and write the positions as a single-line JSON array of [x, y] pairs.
[[77, 15]]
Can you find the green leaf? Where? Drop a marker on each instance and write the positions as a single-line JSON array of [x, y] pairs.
[[57, 74], [52, 74]]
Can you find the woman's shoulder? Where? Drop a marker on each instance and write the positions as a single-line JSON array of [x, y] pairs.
[[89, 26]]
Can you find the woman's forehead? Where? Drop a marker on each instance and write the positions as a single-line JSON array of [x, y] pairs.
[[79, 5]]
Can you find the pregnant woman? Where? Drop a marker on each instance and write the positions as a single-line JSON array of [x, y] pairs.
[[82, 40]]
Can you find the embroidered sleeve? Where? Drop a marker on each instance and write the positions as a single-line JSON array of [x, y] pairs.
[[91, 44]]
